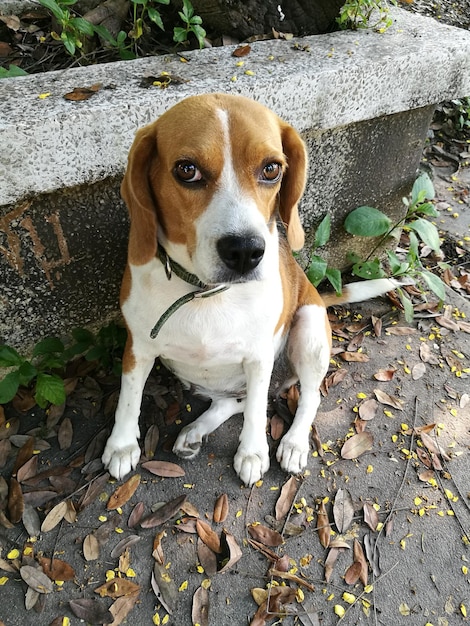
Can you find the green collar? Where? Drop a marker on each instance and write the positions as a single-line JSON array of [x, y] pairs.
[[172, 267]]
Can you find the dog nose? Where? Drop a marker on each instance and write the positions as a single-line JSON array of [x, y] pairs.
[[241, 254]]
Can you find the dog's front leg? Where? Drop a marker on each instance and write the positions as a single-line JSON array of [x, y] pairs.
[[252, 458], [122, 451]]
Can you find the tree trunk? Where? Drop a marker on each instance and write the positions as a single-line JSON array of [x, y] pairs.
[[244, 18]]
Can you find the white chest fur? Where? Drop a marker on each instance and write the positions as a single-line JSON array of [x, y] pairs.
[[207, 341]]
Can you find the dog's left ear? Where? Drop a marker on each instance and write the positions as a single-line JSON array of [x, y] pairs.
[[293, 185]]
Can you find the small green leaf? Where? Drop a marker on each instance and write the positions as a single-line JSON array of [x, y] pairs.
[[322, 234], [435, 284], [83, 26], [52, 6], [422, 184], [27, 372], [407, 305], [427, 209], [369, 269], [334, 277], [49, 388], [427, 232], [12, 72], [317, 270], [9, 357], [9, 386], [200, 34], [51, 345], [365, 221], [156, 18], [179, 34]]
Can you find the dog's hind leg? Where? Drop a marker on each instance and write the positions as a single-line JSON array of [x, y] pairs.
[[190, 438], [308, 350]]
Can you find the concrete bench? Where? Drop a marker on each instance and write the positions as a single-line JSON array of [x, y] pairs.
[[362, 100]]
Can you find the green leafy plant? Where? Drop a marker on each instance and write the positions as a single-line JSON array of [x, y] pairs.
[[40, 371], [191, 24], [368, 221], [74, 29], [44, 371], [356, 14], [318, 268], [143, 9], [12, 72]]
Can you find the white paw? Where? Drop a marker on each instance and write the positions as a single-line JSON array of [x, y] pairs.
[[189, 442], [120, 460], [251, 464], [292, 454]]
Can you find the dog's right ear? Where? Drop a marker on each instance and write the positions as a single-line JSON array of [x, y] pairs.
[[137, 194]]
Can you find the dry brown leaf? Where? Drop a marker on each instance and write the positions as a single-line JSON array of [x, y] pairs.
[[323, 526], [5, 449], [124, 545], [385, 398], [377, 325], [164, 469], [91, 548], [164, 587], [265, 535], [293, 399], [385, 375], [65, 434], [221, 509], [36, 579], [91, 611], [276, 427], [418, 371], [78, 94], [368, 409], [358, 555], [24, 454], [229, 547], [401, 330], [464, 400], [57, 569], [339, 543], [335, 378], [207, 558], [372, 552], [123, 493], [164, 513], [447, 323], [357, 445], [117, 587], [355, 342], [136, 515], [54, 517], [354, 357], [157, 551], [426, 354], [151, 441], [330, 562], [286, 497], [371, 517], [360, 425], [200, 608], [241, 51], [121, 608], [208, 536], [343, 510], [352, 573], [31, 521], [273, 605], [15, 501], [71, 513], [28, 470]]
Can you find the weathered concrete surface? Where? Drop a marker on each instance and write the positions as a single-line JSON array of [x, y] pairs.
[[62, 255]]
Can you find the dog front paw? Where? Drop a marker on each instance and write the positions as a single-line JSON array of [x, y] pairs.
[[250, 465], [189, 442], [120, 460], [292, 454]]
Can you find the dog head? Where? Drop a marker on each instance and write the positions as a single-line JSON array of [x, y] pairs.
[[212, 175]]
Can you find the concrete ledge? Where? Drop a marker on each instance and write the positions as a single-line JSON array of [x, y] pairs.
[[363, 102], [48, 144]]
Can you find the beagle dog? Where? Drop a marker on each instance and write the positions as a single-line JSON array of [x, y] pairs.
[[211, 285]]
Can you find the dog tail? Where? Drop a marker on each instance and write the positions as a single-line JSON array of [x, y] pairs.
[[363, 290]]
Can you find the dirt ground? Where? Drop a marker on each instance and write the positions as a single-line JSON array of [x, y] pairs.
[[407, 489]]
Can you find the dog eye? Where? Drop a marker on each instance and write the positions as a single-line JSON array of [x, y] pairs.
[[271, 172], [187, 172]]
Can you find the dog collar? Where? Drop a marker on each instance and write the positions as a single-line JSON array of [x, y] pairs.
[[204, 291]]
